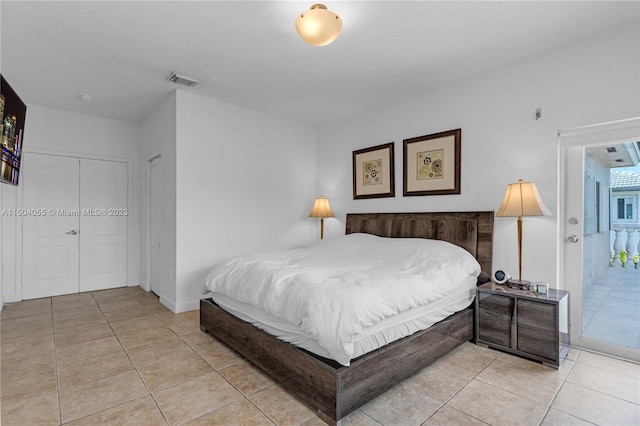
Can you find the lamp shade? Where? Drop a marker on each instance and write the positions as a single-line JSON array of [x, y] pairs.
[[522, 199], [318, 26], [321, 208]]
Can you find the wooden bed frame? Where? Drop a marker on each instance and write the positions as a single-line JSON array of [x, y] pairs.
[[336, 390]]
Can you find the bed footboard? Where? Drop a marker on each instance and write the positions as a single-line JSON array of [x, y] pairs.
[[335, 390]]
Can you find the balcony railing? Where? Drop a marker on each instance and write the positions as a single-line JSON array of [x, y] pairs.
[[625, 238]]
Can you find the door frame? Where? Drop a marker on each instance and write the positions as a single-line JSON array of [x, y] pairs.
[[620, 131], [131, 280], [146, 284]]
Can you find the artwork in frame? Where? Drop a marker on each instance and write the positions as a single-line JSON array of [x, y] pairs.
[[373, 174], [432, 164]]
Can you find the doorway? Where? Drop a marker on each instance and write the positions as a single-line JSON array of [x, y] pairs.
[[584, 238], [75, 237]]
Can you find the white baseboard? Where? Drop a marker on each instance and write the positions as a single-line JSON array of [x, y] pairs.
[[182, 307]]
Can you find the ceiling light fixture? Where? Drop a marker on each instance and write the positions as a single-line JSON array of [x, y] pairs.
[[85, 97], [319, 26]]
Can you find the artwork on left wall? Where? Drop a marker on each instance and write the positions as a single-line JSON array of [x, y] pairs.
[[373, 172], [431, 164]]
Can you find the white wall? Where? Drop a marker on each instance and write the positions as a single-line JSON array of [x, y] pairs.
[[237, 181], [246, 182], [54, 131], [593, 81], [159, 138]]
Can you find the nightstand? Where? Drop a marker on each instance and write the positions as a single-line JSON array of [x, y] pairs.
[[524, 323]]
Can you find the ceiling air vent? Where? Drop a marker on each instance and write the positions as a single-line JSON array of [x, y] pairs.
[[183, 79], [612, 149]]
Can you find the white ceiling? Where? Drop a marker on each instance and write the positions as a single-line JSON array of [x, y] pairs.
[[248, 52]]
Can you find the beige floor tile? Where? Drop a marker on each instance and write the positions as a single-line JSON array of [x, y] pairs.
[[110, 294], [595, 407], [186, 326], [573, 354], [198, 339], [610, 383], [247, 378], [401, 405], [83, 321], [173, 371], [139, 412], [559, 418], [72, 301], [19, 366], [34, 382], [496, 406], [25, 308], [77, 313], [41, 410], [92, 397], [126, 326], [316, 421], [534, 366], [26, 331], [468, 359], [437, 382], [149, 299], [610, 364], [82, 334], [127, 314], [238, 413], [71, 354], [193, 399], [158, 350], [448, 416], [137, 291], [92, 369], [532, 381], [219, 355], [40, 319], [143, 336], [358, 418], [121, 305], [282, 407], [26, 346]]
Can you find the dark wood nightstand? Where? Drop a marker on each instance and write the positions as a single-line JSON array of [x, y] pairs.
[[524, 323]]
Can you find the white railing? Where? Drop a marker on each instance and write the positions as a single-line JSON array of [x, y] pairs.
[[625, 238]]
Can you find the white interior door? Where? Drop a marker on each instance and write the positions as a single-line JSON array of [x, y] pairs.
[[50, 224], [155, 227], [103, 224]]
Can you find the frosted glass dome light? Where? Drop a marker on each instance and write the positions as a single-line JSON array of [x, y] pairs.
[[318, 26]]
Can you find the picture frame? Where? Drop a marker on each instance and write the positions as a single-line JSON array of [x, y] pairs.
[[373, 172], [431, 164]]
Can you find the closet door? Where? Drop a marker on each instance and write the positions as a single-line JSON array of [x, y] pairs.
[[103, 222], [50, 222]]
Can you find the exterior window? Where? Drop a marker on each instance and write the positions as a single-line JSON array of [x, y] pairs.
[[626, 208]]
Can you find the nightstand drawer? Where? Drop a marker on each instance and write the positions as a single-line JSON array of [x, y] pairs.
[[495, 318], [538, 341], [536, 314]]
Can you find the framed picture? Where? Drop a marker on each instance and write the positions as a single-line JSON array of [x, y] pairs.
[[432, 164], [373, 172]]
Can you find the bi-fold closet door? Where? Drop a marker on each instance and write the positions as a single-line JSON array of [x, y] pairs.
[[74, 224]]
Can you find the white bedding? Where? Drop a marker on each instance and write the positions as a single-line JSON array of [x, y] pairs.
[[339, 287]]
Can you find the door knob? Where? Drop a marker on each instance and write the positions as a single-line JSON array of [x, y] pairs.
[[572, 238], [72, 232]]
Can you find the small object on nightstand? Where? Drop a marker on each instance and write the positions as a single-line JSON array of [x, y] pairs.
[[541, 288], [501, 277], [520, 285]]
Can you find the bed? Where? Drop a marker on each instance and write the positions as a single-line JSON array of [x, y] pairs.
[[334, 389]]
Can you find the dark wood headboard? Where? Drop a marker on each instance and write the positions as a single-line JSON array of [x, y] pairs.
[[472, 231]]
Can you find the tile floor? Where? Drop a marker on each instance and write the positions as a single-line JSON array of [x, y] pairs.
[[119, 357], [611, 307]]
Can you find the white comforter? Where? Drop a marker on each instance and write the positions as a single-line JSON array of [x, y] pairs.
[[341, 285]]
